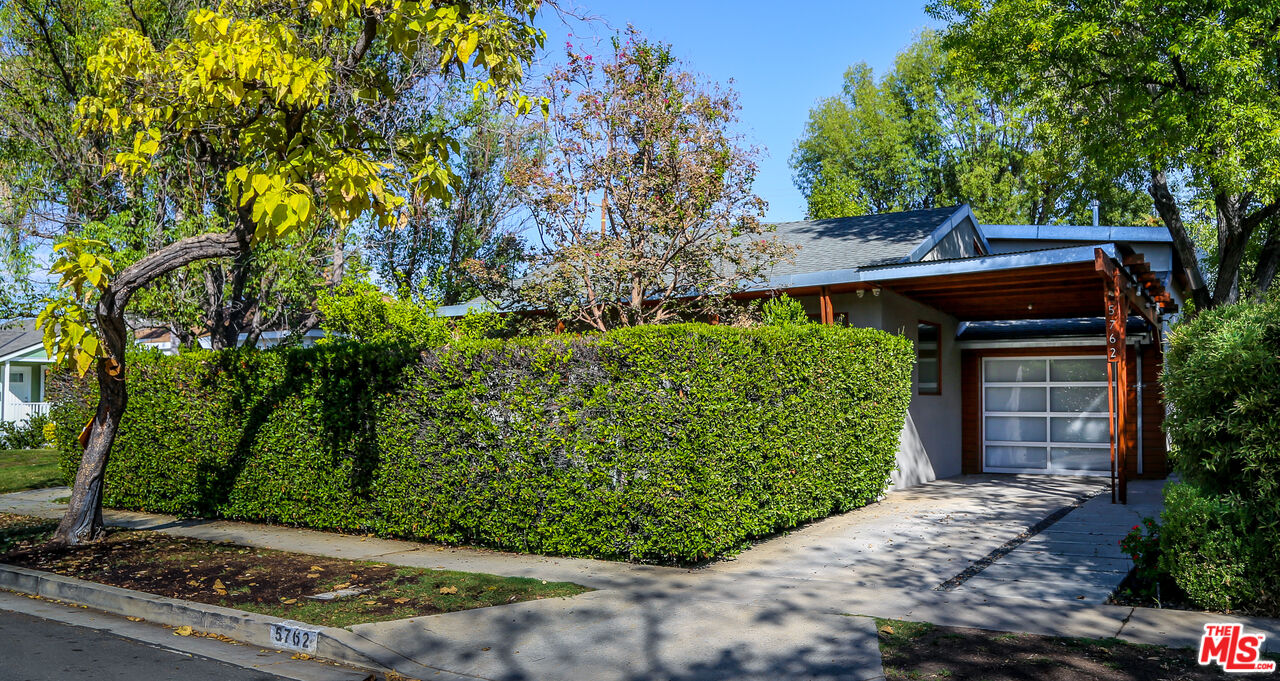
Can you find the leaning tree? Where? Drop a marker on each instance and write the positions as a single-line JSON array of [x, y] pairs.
[[299, 100]]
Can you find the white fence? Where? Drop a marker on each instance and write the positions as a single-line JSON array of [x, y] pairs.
[[22, 411]]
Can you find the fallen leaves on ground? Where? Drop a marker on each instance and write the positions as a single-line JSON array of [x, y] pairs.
[[448, 589], [183, 630]]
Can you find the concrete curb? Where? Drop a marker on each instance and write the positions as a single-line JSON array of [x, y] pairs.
[[337, 645]]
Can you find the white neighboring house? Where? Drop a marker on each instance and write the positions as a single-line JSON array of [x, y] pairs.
[[24, 369]]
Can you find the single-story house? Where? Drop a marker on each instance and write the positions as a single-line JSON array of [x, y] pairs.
[[1027, 336], [24, 367]]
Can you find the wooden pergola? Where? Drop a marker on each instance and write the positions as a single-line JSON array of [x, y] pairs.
[[1110, 287]]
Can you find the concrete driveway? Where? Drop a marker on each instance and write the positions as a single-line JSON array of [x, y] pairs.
[[915, 538]]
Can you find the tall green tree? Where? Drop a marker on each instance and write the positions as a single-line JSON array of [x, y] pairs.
[[291, 99], [928, 134], [423, 259], [1184, 93]]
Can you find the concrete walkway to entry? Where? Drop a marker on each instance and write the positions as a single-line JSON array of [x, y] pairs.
[[1078, 557], [794, 606]]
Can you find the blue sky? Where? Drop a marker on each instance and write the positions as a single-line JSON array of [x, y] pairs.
[[783, 57]]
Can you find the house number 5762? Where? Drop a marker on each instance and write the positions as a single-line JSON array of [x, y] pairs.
[[291, 635]]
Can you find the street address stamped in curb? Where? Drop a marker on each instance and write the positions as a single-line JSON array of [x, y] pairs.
[[292, 635]]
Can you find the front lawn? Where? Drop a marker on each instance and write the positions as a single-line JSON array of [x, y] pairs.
[[22, 469], [915, 651], [259, 580]]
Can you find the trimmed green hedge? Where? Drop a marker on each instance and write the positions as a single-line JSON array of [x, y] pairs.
[[1222, 380], [1217, 549], [1222, 377], [669, 443]]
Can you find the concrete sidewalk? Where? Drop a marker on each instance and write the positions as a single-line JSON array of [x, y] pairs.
[[795, 606]]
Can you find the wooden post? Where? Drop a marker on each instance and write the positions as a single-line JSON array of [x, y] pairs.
[[824, 306], [1111, 425], [560, 326], [4, 393], [1118, 384]]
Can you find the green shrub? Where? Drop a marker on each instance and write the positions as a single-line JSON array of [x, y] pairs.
[[27, 434], [668, 443], [363, 313], [1222, 379], [783, 311], [1143, 546], [1222, 382], [1220, 549]]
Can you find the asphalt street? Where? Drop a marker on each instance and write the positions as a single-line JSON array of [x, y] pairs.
[[35, 649]]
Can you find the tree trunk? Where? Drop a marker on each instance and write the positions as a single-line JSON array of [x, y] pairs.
[[1268, 262], [1167, 207], [1233, 239], [83, 519]]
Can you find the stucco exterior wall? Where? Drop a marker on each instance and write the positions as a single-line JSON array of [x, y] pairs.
[[930, 444]]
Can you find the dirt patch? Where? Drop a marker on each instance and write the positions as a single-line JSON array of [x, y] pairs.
[[924, 651], [260, 580]]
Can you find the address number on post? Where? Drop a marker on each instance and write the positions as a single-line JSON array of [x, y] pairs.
[[294, 636]]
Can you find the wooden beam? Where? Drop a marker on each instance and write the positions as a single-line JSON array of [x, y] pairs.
[[1117, 279], [1134, 259], [824, 306]]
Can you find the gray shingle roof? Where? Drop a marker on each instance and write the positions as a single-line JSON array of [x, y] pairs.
[[845, 243], [19, 335]]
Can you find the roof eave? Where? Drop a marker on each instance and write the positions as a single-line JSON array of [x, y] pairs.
[[1092, 233], [933, 268]]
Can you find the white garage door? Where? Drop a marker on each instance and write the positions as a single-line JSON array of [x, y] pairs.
[[1045, 415]]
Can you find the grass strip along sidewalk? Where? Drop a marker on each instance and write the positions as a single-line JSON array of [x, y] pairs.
[[22, 469], [270, 582]]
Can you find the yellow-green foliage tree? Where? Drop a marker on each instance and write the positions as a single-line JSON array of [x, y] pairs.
[[297, 98]]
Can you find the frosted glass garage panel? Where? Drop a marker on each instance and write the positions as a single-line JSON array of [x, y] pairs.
[[1078, 399], [1017, 429], [1016, 399], [1086, 370], [1082, 458], [1080, 429], [999, 456], [1014, 370]]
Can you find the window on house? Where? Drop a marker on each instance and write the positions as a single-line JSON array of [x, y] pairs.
[[15, 377], [928, 358]]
